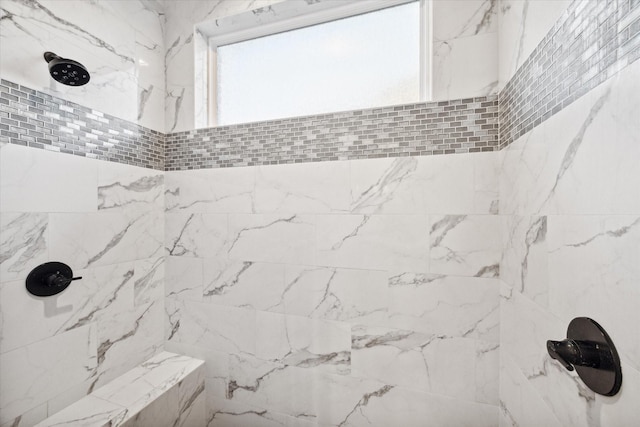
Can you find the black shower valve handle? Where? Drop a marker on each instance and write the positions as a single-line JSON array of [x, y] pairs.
[[552, 349], [572, 353], [49, 279], [589, 350], [58, 279]]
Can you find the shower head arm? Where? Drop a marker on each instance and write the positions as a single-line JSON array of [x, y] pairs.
[[50, 56]]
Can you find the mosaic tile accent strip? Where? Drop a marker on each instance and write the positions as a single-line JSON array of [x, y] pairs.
[[591, 42], [37, 119], [449, 127]]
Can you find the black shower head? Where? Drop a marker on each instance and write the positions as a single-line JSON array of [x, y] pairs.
[[66, 71]]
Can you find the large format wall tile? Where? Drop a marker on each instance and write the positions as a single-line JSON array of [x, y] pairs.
[[32, 374], [570, 190], [23, 243], [88, 240], [211, 191], [105, 221], [444, 305], [373, 241], [43, 181], [465, 245], [311, 290]]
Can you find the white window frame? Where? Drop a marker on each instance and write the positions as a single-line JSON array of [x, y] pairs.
[[304, 15]]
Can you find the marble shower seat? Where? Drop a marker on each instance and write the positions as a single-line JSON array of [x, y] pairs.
[[166, 390]]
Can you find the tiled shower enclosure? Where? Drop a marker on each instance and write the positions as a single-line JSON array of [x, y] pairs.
[[400, 265]]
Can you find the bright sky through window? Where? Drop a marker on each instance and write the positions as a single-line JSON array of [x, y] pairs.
[[358, 62]]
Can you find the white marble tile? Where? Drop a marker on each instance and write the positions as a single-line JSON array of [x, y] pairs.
[[279, 238], [487, 378], [464, 18], [43, 181], [387, 186], [216, 365], [428, 363], [527, 168], [524, 263], [196, 235], [339, 396], [486, 183], [303, 188], [373, 241], [149, 280], [391, 356], [68, 397], [33, 374], [184, 277], [303, 342], [102, 292], [360, 296], [167, 389], [213, 327], [594, 270], [130, 189], [128, 340], [23, 243], [229, 190], [452, 78], [179, 110], [228, 413], [243, 284], [466, 245], [389, 405], [105, 238], [520, 403], [623, 408], [284, 389], [28, 418], [525, 328], [161, 391], [102, 413], [444, 305], [460, 184]]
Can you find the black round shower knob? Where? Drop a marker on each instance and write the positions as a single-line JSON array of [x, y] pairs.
[[49, 278]]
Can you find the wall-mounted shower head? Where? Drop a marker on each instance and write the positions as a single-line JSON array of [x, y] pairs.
[[66, 71]]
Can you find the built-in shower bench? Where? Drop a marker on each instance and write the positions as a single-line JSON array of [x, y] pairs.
[[166, 390]]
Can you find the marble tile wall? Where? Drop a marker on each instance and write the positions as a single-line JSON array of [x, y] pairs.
[[465, 48], [120, 42], [106, 221], [331, 293], [570, 198]]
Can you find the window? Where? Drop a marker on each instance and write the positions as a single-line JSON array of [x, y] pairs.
[[334, 60]]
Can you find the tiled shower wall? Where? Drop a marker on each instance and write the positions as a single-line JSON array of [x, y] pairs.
[[570, 199], [403, 226], [330, 293], [104, 219]]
